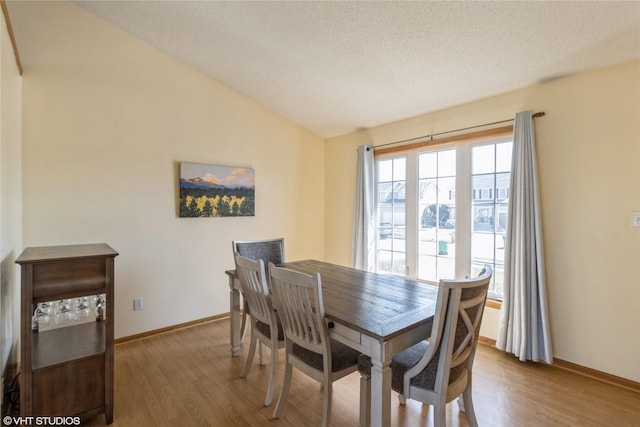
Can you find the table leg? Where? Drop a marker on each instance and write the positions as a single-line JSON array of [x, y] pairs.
[[380, 393], [234, 309]]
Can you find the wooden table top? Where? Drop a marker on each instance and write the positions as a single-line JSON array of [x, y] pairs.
[[379, 305]]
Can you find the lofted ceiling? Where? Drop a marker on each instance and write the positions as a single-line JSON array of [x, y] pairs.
[[335, 67]]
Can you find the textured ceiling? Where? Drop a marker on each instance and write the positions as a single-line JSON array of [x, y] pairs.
[[334, 67]]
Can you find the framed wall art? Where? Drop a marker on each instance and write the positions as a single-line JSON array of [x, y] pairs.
[[216, 191]]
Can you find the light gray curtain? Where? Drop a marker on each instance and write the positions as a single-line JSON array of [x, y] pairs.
[[524, 323], [363, 220]]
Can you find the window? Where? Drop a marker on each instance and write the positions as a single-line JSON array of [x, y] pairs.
[[391, 210], [442, 211], [436, 209], [490, 171]]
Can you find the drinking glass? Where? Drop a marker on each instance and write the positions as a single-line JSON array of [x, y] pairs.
[[40, 320], [100, 307], [82, 311], [64, 314]]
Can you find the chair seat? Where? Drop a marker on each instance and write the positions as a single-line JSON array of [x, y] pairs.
[[342, 356], [427, 378], [400, 364], [404, 361], [265, 330]]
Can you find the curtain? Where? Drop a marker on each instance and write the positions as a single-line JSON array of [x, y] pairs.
[[523, 327], [363, 221]]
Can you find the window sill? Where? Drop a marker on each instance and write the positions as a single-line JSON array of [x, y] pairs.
[[493, 304]]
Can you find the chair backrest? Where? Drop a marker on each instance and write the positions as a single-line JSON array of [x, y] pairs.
[[466, 304], [298, 298], [271, 250], [455, 332], [253, 281]]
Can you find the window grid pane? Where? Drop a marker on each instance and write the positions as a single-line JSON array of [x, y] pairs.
[[390, 247], [490, 177], [436, 215]]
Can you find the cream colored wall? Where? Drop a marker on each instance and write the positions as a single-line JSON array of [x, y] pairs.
[[588, 147], [107, 119], [10, 205]]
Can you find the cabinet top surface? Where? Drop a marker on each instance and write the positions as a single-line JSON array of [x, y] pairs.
[[53, 253]]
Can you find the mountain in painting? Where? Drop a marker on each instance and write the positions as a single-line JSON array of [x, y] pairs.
[[199, 183]]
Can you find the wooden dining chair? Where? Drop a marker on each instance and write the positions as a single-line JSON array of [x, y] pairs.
[[268, 250], [439, 369], [298, 298], [265, 325]]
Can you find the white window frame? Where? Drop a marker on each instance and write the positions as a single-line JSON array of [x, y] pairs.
[[463, 204]]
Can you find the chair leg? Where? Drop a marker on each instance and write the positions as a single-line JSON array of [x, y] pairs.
[[274, 373], [365, 401], [326, 403], [285, 388], [468, 406], [440, 412], [243, 325], [261, 355], [252, 351]]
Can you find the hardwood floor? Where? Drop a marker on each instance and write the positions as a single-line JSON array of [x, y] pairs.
[[188, 378]]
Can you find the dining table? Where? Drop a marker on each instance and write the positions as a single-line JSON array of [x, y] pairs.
[[377, 314]]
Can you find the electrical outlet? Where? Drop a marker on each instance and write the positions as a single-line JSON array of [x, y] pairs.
[[635, 219], [137, 304]]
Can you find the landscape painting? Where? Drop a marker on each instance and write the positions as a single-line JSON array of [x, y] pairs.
[[216, 191]]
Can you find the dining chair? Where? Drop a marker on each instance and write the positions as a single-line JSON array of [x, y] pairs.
[[268, 250], [298, 298], [265, 325], [439, 369]]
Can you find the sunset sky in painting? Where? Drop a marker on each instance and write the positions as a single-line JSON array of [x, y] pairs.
[[221, 175]]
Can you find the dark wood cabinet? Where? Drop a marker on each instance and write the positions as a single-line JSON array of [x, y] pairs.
[[67, 370]]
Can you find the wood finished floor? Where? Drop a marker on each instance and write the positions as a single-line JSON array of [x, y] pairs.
[[188, 378]]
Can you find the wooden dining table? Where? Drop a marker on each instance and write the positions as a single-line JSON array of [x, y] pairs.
[[377, 314]]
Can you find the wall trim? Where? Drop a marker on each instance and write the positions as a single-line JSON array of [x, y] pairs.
[[493, 304], [428, 141], [581, 370], [170, 328]]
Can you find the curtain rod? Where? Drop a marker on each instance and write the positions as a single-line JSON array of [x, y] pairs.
[[539, 114]]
